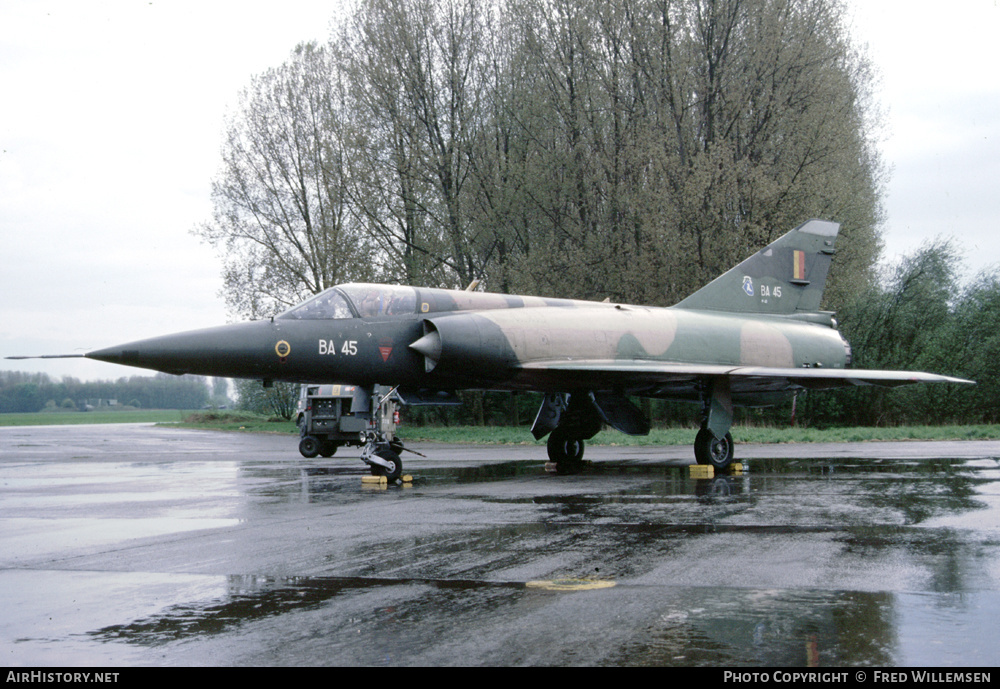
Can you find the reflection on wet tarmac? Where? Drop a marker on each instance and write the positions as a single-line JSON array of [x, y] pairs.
[[250, 598], [681, 625], [258, 557], [385, 621], [292, 483]]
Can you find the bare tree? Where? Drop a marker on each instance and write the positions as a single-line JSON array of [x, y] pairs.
[[415, 74], [281, 220], [683, 135], [630, 150]]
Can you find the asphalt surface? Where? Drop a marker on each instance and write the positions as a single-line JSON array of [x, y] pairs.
[[138, 545]]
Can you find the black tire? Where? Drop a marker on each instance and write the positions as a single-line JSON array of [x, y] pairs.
[[328, 448], [711, 451], [309, 447], [388, 455], [565, 450], [396, 445]]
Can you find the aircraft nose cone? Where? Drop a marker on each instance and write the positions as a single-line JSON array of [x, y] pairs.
[[118, 355], [237, 351]]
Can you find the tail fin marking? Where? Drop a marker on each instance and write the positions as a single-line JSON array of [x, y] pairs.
[[784, 278]]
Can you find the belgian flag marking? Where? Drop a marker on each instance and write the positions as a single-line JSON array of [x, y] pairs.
[[798, 265]]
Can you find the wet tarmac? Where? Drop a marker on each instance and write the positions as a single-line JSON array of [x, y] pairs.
[[138, 545]]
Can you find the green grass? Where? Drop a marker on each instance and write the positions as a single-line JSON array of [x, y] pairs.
[[61, 418], [253, 423], [237, 421]]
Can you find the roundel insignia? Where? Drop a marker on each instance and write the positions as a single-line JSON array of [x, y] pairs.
[[283, 349]]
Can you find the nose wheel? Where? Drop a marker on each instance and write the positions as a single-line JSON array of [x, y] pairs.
[[383, 461]]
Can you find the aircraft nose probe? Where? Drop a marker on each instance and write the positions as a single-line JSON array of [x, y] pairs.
[[47, 356]]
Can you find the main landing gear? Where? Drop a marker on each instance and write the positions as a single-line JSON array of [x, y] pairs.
[[718, 452], [566, 451], [568, 420], [572, 419], [714, 444]]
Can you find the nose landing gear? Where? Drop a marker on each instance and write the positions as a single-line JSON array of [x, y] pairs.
[[383, 459]]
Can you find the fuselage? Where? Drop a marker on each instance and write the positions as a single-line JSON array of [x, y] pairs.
[[368, 334]]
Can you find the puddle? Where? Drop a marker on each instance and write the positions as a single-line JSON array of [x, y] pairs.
[[407, 621]]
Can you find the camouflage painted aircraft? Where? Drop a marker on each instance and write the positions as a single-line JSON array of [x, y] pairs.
[[751, 337]]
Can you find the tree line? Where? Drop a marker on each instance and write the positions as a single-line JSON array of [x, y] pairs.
[[32, 392], [631, 150], [924, 314]]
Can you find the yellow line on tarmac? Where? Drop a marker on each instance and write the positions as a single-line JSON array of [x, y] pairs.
[[570, 584]]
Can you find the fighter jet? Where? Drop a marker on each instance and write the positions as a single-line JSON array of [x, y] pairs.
[[751, 337]]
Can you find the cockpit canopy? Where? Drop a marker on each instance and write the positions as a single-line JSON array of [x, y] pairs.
[[353, 300], [373, 301], [326, 305]]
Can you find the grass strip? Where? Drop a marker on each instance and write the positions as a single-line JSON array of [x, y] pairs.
[[505, 435]]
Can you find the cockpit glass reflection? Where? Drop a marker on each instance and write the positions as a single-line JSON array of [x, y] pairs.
[[381, 300], [326, 305]]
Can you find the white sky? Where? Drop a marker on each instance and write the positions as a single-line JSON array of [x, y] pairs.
[[111, 119], [940, 69]]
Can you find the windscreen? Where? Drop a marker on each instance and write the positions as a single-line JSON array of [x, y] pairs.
[[324, 306]]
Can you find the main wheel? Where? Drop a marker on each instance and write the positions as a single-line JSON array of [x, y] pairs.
[[328, 448], [309, 447], [566, 451], [564, 448], [713, 451], [396, 465]]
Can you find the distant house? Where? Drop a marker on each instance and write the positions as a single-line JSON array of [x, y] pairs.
[[97, 402]]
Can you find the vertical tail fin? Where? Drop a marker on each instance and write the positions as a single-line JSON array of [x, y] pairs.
[[783, 278]]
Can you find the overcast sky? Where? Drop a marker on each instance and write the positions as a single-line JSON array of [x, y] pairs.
[[112, 119]]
